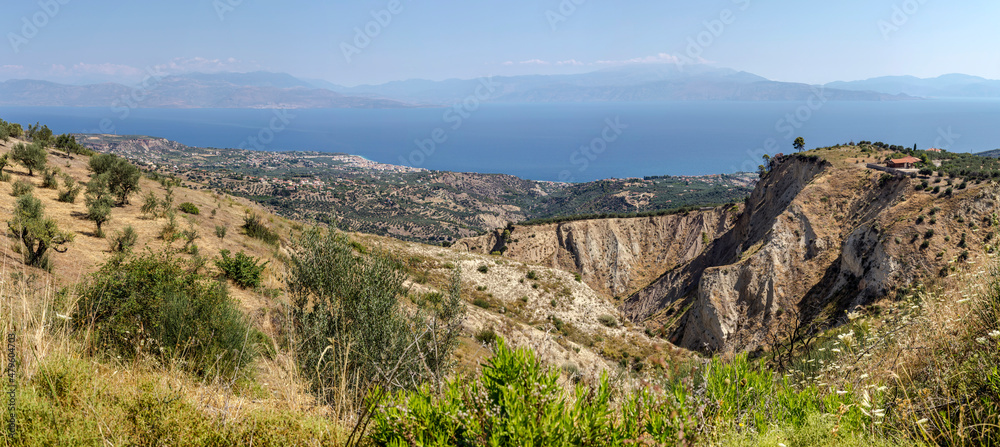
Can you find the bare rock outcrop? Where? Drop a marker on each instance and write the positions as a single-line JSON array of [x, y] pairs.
[[614, 256]]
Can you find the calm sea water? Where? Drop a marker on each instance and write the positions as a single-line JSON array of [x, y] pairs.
[[574, 142]]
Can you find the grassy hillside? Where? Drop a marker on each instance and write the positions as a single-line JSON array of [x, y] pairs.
[[538, 356]]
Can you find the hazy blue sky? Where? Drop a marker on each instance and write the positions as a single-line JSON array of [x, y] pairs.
[[805, 41]]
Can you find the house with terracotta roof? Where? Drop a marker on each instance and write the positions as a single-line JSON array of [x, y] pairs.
[[903, 163]]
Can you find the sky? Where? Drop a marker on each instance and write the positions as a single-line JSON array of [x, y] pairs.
[[371, 42]]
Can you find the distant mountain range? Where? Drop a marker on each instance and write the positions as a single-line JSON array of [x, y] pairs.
[[946, 86], [653, 82], [650, 82], [193, 91]]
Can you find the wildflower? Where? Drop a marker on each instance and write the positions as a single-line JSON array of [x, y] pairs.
[[922, 421], [994, 334], [882, 389], [981, 340]]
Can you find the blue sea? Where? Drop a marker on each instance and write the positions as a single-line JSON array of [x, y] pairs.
[[557, 142]]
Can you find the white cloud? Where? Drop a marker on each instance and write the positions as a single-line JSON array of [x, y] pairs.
[[572, 62], [534, 62], [661, 58], [205, 65]]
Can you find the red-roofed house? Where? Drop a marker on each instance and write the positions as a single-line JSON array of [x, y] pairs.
[[903, 163]]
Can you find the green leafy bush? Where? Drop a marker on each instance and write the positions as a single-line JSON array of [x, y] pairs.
[[150, 303], [256, 229], [220, 231], [354, 336], [190, 208], [21, 187], [243, 269], [608, 321], [49, 179], [123, 240], [483, 269]]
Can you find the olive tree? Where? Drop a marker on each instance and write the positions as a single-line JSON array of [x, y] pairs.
[[34, 232], [32, 156]]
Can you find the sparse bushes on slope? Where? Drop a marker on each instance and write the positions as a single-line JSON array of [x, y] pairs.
[[150, 303]]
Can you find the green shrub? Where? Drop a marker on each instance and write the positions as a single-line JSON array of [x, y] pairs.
[[150, 303], [243, 269], [149, 204], [189, 208], [517, 401], [220, 231], [256, 229], [929, 233], [486, 336], [21, 187], [123, 240], [49, 179], [608, 320], [483, 269], [71, 191], [353, 333], [481, 303], [532, 275]]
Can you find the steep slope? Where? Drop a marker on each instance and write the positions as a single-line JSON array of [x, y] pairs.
[[614, 256], [817, 237]]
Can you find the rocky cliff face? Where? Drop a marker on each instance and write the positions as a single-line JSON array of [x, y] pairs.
[[817, 237], [814, 240], [613, 256]]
